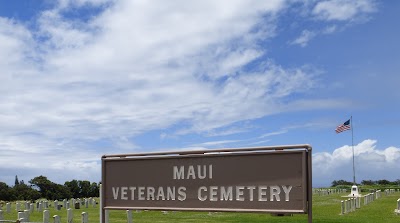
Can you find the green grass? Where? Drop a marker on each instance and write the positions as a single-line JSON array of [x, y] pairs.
[[326, 209]]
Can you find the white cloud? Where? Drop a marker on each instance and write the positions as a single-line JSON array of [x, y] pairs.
[[304, 38], [370, 163], [342, 10], [135, 66], [216, 143]]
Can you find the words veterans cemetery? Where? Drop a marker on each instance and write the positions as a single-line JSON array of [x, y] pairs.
[[267, 179], [211, 193]]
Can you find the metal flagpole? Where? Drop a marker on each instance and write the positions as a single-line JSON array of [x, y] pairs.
[[352, 145]]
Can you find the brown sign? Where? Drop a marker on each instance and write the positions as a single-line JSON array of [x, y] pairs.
[[256, 181]]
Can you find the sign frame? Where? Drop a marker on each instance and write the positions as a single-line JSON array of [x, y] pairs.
[[283, 149]]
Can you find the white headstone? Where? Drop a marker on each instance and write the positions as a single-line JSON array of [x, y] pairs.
[[21, 216], [56, 205], [56, 219], [40, 209], [46, 216], [27, 215], [31, 207], [106, 216], [18, 206], [85, 217], [129, 216], [8, 207], [70, 215], [1, 215]]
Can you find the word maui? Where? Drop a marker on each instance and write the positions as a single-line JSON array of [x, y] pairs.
[[184, 174]]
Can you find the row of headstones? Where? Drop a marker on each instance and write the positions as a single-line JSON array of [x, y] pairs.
[[391, 191], [397, 210], [322, 192], [41, 205], [129, 216], [75, 203], [352, 204], [24, 217], [27, 206]]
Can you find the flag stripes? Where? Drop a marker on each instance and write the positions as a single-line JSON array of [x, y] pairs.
[[343, 127]]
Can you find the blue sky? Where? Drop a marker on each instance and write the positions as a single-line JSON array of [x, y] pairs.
[[83, 78]]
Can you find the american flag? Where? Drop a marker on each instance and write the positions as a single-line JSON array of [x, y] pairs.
[[343, 127]]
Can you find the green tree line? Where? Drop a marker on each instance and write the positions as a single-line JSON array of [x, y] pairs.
[[367, 183], [41, 187]]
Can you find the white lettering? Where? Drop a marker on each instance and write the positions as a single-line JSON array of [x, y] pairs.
[[160, 194], [262, 192], [132, 192], [202, 198], [171, 193], [251, 190], [274, 192], [226, 194], [141, 193], [201, 175], [124, 193], [182, 193], [191, 173], [213, 193], [239, 193], [179, 173], [115, 192], [287, 191], [150, 193]]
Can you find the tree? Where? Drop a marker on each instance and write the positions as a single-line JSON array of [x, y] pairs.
[[5, 192], [73, 187], [16, 180], [84, 185], [50, 190], [24, 192], [94, 190], [341, 182], [383, 182], [368, 182]]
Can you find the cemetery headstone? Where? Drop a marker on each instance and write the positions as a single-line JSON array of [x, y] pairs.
[[40, 208], [8, 207], [31, 207], [21, 216], [129, 216], [70, 215], [27, 215], [85, 217], [46, 216], [56, 219]]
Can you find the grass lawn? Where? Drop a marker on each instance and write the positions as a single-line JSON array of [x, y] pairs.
[[326, 209]]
